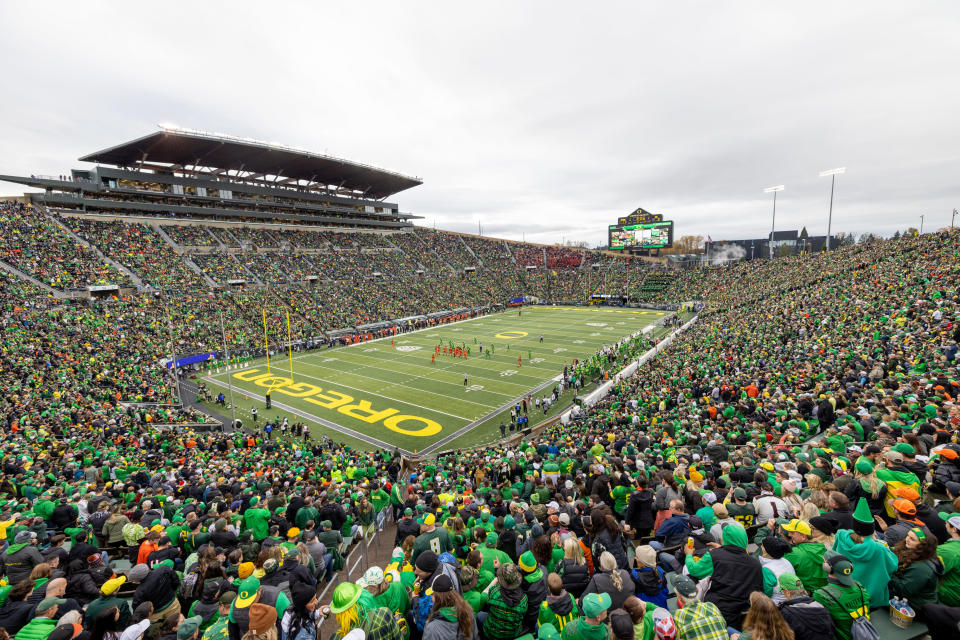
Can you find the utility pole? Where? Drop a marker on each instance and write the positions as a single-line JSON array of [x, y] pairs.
[[921, 223], [952, 216]]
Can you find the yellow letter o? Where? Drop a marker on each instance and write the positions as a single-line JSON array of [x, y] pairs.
[[430, 427]]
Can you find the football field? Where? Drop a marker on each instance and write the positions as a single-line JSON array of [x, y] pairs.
[[389, 393]]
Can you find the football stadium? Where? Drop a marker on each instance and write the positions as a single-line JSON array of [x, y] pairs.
[[253, 390]]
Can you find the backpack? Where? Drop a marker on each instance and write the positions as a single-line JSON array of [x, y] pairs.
[[862, 628]]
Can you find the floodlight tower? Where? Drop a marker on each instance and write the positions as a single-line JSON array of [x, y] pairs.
[[833, 173], [773, 224]]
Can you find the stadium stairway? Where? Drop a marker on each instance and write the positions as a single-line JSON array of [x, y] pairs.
[[478, 261], [134, 278], [9, 268]]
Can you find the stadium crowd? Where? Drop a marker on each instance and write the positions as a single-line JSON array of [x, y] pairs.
[[782, 470]]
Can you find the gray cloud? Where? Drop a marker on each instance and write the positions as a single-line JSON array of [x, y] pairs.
[[542, 118]]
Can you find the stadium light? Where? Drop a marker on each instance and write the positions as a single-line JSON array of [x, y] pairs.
[[773, 224], [833, 173]]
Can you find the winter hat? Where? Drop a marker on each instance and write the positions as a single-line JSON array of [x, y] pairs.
[[776, 547], [862, 518], [824, 525], [427, 562], [262, 617], [647, 555]]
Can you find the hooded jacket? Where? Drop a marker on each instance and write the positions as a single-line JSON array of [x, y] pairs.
[[444, 626], [807, 559], [535, 586], [19, 560], [506, 609], [640, 512], [651, 586], [557, 610], [734, 574], [873, 564]]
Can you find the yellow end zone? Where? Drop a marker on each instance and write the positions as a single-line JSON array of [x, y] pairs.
[[342, 403]]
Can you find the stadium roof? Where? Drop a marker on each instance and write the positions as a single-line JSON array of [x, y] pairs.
[[254, 159]]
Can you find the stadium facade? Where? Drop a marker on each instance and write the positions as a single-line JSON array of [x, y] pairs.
[[188, 174]]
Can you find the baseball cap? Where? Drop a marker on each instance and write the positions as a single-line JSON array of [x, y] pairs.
[[112, 585], [905, 506], [797, 526], [684, 586], [247, 592], [622, 624], [789, 582], [841, 568], [48, 603], [740, 493], [189, 627], [595, 603], [372, 577], [441, 584], [663, 624], [952, 519], [429, 519], [907, 493]]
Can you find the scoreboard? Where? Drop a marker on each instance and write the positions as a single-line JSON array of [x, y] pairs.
[[641, 230]]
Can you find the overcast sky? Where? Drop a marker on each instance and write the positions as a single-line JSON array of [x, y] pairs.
[[548, 119]]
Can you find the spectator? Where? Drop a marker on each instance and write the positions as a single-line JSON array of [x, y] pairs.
[[591, 625], [697, 620], [733, 574], [764, 621], [452, 618], [844, 597], [918, 570], [506, 606], [806, 556], [808, 619], [873, 562]]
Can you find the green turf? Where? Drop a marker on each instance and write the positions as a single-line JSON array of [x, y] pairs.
[[358, 394]]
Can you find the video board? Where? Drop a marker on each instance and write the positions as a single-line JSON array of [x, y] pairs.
[[651, 235]]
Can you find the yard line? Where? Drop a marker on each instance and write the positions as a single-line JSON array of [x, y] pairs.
[[445, 368], [391, 399], [449, 398], [318, 420]]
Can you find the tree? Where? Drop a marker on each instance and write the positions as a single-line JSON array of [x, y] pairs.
[[867, 238], [845, 239], [803, 234], [912, 231], [784, 250], [896, 236]]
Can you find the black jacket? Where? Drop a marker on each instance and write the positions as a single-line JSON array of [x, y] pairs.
[[406, 527], [603, 583], [809, 619], [159, 587], [63, 516], [14, 615], [575, 577], [536, 593], [640, 513], [736, 575]]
